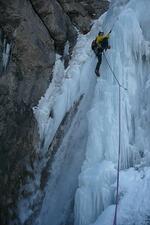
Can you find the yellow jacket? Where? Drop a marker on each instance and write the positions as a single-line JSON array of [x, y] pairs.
[[100, 38]]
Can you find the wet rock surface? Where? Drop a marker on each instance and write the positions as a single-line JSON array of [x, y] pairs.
[[31, 32]]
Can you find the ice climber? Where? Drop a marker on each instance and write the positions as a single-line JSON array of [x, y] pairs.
[[99, 45]]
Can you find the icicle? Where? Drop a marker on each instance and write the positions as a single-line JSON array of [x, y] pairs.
[[6, 53]]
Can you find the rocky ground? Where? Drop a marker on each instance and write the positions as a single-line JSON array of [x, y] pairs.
[[31, 32]]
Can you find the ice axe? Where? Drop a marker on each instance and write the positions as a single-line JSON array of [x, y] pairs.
[[113, 24]]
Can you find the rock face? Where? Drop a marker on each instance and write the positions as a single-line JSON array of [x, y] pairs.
[[81, 12], [30, 34], [66, 13], [56, 21], [25, 75]]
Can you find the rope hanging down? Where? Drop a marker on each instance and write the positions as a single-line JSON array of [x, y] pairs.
[[114, 74], [119, 146], [118, 166]]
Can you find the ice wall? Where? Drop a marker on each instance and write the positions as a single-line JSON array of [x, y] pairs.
[[129, 58]]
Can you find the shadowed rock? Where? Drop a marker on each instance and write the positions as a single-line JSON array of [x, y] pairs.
[[30, 34]]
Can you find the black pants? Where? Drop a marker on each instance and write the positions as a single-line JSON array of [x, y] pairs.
[[99, 57]]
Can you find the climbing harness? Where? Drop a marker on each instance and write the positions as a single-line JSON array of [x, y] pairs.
[[119, 146]]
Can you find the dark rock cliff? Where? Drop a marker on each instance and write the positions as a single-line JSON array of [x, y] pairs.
[[31, 31]]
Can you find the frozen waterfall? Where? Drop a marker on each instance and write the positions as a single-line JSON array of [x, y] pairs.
[[83, 172], [129, 58]]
